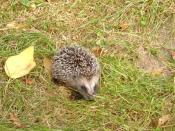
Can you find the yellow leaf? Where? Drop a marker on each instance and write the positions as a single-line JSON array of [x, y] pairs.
[[20, 65]]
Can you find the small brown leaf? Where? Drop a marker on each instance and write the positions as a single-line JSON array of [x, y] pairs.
[[123, 25], [154, 122], [163, 120], [15, 120], [28, 81], [97, 51], [47, 65]]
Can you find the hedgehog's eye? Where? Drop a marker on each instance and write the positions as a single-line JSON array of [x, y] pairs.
[[84, 88]]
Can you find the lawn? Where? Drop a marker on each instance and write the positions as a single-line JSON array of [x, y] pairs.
[[134, 42]]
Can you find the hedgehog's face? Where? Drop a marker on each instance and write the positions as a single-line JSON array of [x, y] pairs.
[[88, 88]]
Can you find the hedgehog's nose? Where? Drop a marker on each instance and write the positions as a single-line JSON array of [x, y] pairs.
[[91, 97]]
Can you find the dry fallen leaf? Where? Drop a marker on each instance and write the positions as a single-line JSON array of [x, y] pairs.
[[28, 81], [15, 120], [163, 120], [15, 25], [123, 26], [47, 65], [97, 51], [20, 65]]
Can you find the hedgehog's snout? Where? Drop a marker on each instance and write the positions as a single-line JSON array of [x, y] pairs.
[[89, 88], [89, 96], [88, 91]]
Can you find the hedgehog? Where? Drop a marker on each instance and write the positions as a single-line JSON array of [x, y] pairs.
[[76, 68]]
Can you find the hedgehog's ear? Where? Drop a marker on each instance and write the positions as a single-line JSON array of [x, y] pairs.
[[54, 80], [57, 82]]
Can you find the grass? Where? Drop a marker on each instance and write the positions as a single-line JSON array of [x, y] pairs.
[[129, 99]]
